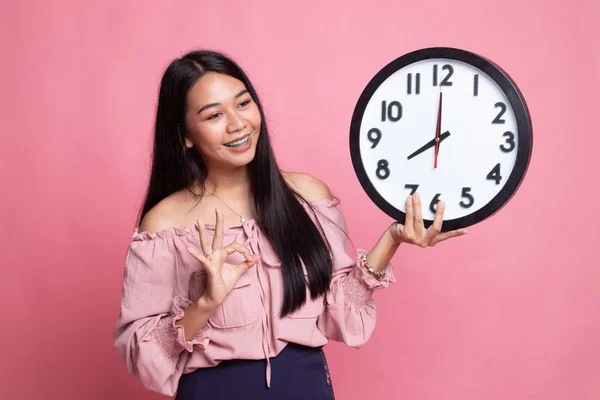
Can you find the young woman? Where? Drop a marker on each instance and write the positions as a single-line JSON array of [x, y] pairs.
[[238, 273]]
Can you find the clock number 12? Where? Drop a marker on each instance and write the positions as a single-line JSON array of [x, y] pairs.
[[446, 80]]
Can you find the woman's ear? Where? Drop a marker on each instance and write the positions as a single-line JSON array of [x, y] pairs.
[[188, 143]]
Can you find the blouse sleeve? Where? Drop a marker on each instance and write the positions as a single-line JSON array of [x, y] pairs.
[[146, 337], [349, 315]]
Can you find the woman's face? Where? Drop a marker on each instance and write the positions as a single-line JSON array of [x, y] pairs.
[[223, 121]]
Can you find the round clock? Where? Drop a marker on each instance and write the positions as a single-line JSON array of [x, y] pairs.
[[446, 123]]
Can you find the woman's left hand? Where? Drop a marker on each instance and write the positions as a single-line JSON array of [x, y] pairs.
[[413, 231]]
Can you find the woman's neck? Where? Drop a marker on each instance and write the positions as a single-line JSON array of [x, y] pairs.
[[231, 183]]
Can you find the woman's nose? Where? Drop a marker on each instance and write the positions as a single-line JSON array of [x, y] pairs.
[[236, 123]]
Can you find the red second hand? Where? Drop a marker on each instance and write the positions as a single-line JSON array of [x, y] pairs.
[[438, 129]]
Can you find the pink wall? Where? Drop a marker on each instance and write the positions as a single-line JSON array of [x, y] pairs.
[[511, 311]]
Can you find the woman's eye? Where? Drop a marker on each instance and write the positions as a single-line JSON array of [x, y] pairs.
[[214, 116], [244, 103]]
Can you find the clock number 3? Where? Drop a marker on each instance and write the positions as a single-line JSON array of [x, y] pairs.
[[510, 141]]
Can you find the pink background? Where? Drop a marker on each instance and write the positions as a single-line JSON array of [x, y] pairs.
[[511, 311]]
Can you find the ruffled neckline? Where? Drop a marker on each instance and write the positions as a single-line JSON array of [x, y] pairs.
[[192, 229]]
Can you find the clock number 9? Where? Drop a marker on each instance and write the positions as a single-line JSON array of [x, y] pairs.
[[510, 140], [393, 111], [382, 171], [374, 136]]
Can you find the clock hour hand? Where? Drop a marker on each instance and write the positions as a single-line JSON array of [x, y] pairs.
[[429, 145]]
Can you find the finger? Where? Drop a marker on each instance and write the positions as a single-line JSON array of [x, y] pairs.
[[203, 237], [203, 260], [447, 235], [408, 224], [218, 239], [233, 247], [246, 265], [436, 227], [418, 219]]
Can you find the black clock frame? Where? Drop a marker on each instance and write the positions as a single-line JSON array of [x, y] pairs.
[[515, 98]]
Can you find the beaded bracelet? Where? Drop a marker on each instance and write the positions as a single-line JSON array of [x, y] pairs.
[[370, 269]]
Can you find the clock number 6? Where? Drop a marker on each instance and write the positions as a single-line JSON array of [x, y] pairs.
[[382, 169], [433, 204]]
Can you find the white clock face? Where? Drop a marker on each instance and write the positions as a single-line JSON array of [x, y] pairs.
[[478, 137]]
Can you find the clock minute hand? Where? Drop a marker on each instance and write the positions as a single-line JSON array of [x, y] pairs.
[[429, 145]]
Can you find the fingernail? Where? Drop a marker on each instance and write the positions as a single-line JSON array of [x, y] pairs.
[[409, 200], [417, 197]]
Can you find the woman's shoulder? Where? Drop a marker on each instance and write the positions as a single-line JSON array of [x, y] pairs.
[[166, 214], [311, 188]]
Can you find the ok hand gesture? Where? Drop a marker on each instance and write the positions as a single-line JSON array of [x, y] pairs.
[[221, 275]]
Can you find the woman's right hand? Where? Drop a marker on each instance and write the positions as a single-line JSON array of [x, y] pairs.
[[221, 276]]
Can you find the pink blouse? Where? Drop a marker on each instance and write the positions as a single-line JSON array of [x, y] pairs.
[[161, 279]]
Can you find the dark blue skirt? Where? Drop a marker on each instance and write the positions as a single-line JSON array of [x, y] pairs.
[[297, 373]]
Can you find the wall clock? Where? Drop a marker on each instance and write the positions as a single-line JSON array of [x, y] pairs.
[[447, 123]]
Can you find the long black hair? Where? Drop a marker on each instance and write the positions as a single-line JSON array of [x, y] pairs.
[[278, 213]]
